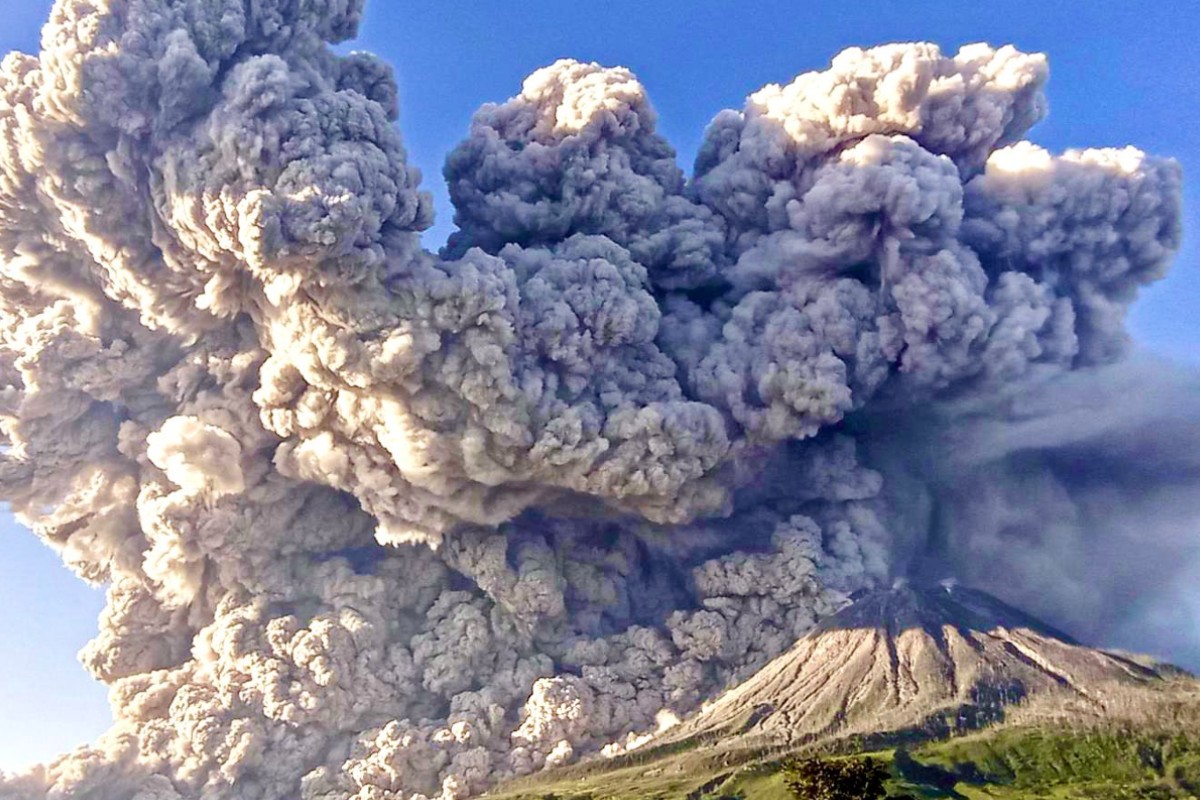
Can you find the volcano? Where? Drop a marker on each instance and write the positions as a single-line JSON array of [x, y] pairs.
[[988, 694], [923, 660]]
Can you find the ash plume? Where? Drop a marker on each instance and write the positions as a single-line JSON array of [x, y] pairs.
[[377, 522]]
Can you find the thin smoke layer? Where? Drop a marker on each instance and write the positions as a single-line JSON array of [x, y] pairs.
[[377, 522]]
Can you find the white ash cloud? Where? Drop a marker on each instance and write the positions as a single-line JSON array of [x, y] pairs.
[[377, 522]]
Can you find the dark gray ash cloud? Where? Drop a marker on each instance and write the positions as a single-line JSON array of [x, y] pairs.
[[382, 523]]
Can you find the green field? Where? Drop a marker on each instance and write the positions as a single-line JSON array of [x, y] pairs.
[[1009, 764]]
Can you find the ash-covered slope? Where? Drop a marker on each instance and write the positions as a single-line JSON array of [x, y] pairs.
[[920, 659]]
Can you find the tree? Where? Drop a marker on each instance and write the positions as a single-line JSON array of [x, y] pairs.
[[842, 779]]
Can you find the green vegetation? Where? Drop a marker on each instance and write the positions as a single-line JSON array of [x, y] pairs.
[[1001, 764], [1110, 764], [835, 778]]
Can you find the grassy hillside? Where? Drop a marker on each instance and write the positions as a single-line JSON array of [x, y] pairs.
[[1143, 745], [1005, 764], [1064, 764]]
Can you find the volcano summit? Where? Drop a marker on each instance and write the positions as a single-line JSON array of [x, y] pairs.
[[987, 696], [922, 661]]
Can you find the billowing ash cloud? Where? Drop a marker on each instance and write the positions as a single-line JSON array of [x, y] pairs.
[[1076, 495], [380, 523]]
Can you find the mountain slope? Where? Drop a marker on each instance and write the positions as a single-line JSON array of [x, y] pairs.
[[961, 694], [910, 659]]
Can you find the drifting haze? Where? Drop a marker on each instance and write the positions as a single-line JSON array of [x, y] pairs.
[[377, 522]]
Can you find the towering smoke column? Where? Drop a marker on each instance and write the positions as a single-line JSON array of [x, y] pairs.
[[379, 523]]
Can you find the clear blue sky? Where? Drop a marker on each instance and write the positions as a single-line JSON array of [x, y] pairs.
[[1122, 73]]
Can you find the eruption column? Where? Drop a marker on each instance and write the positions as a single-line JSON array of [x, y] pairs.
[[382, 523]]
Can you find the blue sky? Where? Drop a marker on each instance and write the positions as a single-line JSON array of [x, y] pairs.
[[1122, 73]]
